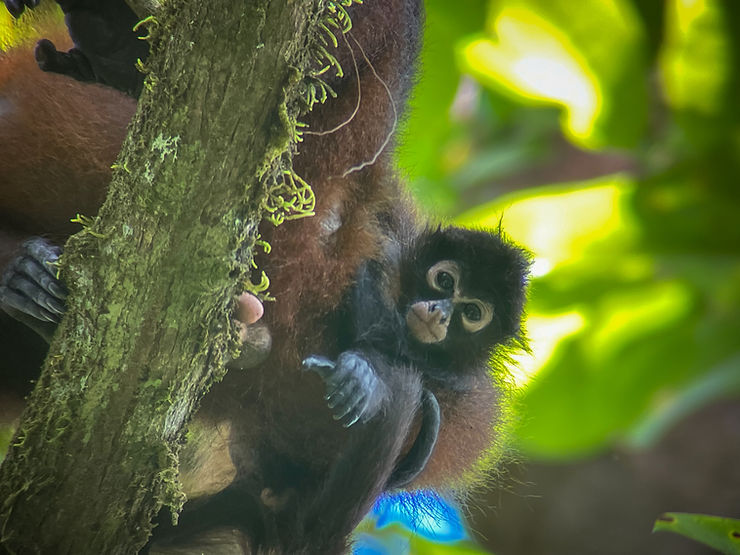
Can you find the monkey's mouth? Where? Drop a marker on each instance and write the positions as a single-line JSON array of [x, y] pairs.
[[426, 326]]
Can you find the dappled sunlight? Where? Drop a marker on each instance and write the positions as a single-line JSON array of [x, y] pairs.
[[624, 316], [16, 32], [545, 332], [531, 58], [561, 225], [695, 63], [601, 302]]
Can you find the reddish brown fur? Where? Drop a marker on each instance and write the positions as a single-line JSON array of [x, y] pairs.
[[59, 139]]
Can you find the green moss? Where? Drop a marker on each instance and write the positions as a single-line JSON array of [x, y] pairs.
[[150, 23], [6, 435], [166, 146], [290, 197]]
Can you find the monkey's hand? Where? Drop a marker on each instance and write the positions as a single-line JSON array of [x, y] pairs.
[[29, 289], [106, 47], [354, 392]]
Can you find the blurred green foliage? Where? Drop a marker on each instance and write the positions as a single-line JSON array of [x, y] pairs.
[[635, 299], [604, 135]]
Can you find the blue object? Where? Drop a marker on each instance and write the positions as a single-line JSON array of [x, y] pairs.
[[424, 513]]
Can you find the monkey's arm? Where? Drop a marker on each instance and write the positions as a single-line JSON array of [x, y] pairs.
[[106, 47], [31, 293], [356, 383]]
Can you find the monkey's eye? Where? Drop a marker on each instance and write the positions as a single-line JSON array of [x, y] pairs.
[[444, 276], [476, 314], [472, 312], [445, 281]]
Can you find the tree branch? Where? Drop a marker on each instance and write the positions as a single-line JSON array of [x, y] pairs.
[[153, 279], [144, 8]]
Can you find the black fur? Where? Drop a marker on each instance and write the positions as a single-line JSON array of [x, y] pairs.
[[106, 46], [493, 269]]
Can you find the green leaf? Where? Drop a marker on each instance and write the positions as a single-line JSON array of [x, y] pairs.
[[720, 533], [698, 71]]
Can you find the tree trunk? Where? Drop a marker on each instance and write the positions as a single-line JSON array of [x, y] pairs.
[[153, 279]]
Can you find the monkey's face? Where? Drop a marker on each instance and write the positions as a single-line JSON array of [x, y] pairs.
[[461, 293], [429, 320]]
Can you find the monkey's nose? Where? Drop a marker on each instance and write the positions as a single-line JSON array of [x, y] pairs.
[[443, 308]]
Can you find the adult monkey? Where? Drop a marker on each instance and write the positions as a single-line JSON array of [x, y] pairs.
[[286, 465]]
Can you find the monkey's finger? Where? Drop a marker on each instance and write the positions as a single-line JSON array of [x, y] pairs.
[[323, 366], [46, 254], [352, 418], [366, 409], [40, 322], [342, 404], [21, 303], [337, 399], [342, 391], [36, 295], [53, 290], [348, 410], [29, 279], [363, 412], [372, 403]]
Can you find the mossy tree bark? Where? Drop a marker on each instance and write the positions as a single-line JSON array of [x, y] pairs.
[[153, 280]]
